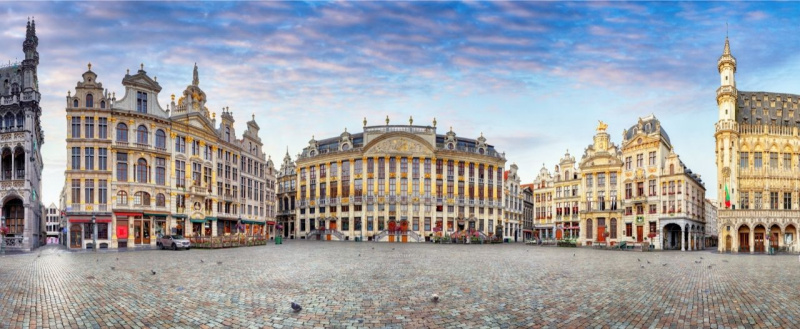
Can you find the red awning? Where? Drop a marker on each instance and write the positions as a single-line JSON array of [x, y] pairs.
[[527, 230], [270, 222], [89, 220], [128, 213]]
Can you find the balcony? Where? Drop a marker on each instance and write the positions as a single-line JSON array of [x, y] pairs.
[[142, 146]]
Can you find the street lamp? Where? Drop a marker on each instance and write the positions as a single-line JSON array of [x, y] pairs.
[[94, 232], [2, 235]]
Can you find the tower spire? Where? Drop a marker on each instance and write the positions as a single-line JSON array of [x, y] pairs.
[[195, 77]]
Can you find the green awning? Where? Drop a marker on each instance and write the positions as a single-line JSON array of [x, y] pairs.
[[156, 215], [245, 221], [198, 220], [179, 216], [211, 218]]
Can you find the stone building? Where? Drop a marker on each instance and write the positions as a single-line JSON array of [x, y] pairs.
[[527, 211], [139, 170], [543, 190], [513, 204], [663, 200], [566, 198], [287, 195], [52, 224], [600, 191], [21, 139], [712, 233], [400, 183], [758, 157]]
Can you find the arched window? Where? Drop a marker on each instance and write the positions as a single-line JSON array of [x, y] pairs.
[[19, 163], [122, 132], [566, 175], [75, 103], [160, 200], [141, 199], [122, 198], [228, 134], [141, 171], [141, 135], [9, 120], [589, 228], [89, 100], [102, 104], [20, 120], [672, 169], [161, 139], [613, 228]]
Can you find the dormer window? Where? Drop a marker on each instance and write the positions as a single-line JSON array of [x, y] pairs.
[[102, 104], [141, 102], [228, 134], [75, 103], [89, 101]]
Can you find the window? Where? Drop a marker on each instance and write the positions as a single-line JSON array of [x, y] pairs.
[[89, 127], [744, 201], [122, 167], [180, 144], [652, 158], [102, 157], [160, 200], [89, 158], [141, 199], [773, 160], [787, 200], [628, 190], [757, 200], [122, 132], [639, 160], [89, 100], [89, 191], [103, 128], [76, 127], [142, 171], [652, 187], [141, 102], [141, 135], [628, 229], [613, 228], [589, 228], [102, 104], [639, 188], [161, 139], [122, 198], [102, 192], [180, 173], [743, 160], [76, 191], [757, 160], [601, 180], [228, 134], [76, 158], [75, 103], [773, 200]]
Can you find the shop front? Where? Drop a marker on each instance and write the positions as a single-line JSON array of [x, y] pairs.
[[81, 231]]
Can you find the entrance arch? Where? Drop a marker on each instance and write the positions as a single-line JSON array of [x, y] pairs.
[[774, 237], [14, 213], [672, 236], [728, 242], [744, 238], [759, 235], [789, 237]]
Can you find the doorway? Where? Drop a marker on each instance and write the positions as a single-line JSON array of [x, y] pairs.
[[141, 231], [728, 243], [639, 233], [75, 240]]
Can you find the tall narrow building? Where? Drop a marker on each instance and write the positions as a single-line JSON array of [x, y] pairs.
[[20, 149]]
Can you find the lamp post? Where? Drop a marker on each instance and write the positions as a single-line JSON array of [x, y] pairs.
[[2, 235], [94, 232]]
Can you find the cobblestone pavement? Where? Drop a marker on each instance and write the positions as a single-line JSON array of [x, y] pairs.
[[389, 285]]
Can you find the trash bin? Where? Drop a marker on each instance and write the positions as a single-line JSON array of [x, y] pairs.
[[279, 240]]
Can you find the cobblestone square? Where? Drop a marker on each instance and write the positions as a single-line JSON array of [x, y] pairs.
[[383, 285]]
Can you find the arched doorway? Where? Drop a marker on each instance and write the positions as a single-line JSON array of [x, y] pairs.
[[672, 236], [744, 238], [14, 213], [728, 242], [774, 237], [759, 234], [789, 235]]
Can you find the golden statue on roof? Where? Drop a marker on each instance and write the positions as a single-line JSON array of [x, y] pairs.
[[601, 127]]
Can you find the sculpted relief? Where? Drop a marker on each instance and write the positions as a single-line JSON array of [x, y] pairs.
[[398, 145]]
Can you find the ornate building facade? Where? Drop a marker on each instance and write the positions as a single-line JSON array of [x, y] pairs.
[[140, 170], [758, 157], [512, 195], [543, 190], [600, 190], [21, 138], [399, 183], [287, 197], [663, 199], [566, 198], [527, 211]]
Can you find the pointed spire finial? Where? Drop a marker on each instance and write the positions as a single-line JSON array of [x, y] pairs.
[[141, 67], [451, 128], [345, 129], [254, 116], [127, 71], [90, 66]]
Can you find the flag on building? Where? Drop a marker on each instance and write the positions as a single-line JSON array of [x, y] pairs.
[[727, 197]]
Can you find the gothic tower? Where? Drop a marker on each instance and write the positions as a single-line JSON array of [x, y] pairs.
[[727, 130]]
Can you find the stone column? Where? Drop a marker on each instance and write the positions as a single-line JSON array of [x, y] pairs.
[[752, 240], [213, 228], [683, 238]]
